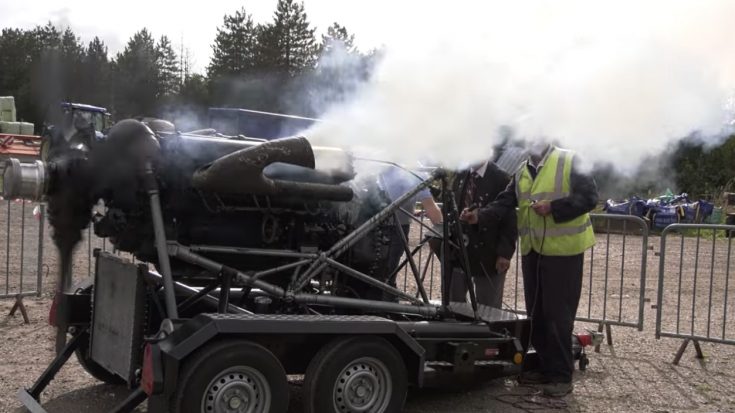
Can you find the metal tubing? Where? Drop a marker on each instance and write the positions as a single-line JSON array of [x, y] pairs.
[[224, 294], [183, 253], [251, 251], [196, 297], [446, 253], [39, 262], [678, 296], [694, 287], [644, 264], [622, 273], [711, 281], [185, 289], [160, 235], [371, 281], [7, 253], [410, 260], [40, 385], [264, 273], [383, 306], [607, 272], [22, 239], [727, 284], [421, 224]]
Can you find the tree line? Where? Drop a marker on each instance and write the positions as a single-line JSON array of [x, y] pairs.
[[274, 66]]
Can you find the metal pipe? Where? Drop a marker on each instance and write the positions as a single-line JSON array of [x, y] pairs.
[[185, 289], [446, 254], [371, 281], [368, 305], [183, 253], [160, 238], [251, 251], [264, 273], [410, 260], [39, 263]]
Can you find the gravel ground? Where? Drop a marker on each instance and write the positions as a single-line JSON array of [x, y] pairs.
[[635, 374]]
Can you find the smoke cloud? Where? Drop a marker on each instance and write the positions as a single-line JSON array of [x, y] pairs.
[[615, 81]]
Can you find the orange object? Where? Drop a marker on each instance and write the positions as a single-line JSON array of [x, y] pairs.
[[20, 146]]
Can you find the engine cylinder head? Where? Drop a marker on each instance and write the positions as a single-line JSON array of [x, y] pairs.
[[27, 181]]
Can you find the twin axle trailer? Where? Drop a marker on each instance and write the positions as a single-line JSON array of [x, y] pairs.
[[240, 283]]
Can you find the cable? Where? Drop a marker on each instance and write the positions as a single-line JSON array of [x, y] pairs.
[[536, 291], [391, 163]]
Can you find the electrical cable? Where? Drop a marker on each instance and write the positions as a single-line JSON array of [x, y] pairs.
[[536, 291]]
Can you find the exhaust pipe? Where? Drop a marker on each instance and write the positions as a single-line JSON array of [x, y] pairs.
[[241, 172]]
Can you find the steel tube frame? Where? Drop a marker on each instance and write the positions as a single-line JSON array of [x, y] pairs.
[[691, 335], [160, 238]]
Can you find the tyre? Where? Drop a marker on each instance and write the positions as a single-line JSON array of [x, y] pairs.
[[232, 376], [91, 367], [356, 374]]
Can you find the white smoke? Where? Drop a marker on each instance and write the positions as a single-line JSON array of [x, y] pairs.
[[615, 81]]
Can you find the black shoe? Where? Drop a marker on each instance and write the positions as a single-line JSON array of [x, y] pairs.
[[533, 377], [557, 389]]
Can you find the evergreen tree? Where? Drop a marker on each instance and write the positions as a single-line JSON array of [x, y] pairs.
[[234, 46], [287, 46], [96, 69], [137, 77], [168, 66], [337, 36]]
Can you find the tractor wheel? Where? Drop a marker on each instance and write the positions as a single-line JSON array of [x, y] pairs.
[[232, 376], [357, 374], [91, 366]]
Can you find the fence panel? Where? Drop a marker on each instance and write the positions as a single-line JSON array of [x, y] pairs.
[[22, 238], [694, 286], [613, 291], [614, 280]]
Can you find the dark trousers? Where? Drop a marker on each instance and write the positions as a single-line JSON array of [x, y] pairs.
[[488, 288], [552, 289]]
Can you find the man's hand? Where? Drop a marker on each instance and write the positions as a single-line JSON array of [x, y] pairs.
[[542, 208], [468, 216], [502, 265]]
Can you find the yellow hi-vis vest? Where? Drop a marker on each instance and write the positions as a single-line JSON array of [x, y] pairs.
[[552, 182]]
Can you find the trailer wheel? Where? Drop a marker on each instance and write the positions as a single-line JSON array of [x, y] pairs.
[[357, 374], [91, 366], [232, 376]]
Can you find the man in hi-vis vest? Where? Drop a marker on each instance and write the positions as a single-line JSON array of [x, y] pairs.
[[553, 201]]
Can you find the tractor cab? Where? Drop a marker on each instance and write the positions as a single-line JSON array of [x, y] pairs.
[[77, 126]]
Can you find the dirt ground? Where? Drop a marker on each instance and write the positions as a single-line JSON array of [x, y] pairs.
[[635, 374]]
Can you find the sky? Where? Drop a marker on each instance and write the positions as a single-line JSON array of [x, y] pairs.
[[195, 23]]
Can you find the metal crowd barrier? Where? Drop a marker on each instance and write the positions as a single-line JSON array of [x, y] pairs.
[[694, 289], [614, 280], [24, 237]]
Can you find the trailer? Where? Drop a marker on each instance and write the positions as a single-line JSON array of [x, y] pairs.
[[189, 331]]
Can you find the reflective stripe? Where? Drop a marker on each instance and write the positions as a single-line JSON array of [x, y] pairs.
[[559, 179], [548, 196], [554, 231]]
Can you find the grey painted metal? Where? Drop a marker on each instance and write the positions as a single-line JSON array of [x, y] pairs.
[[184, 254], [251, 251], [371, 281], [161, 248], [692, 334], [616, 319], [367, 305]]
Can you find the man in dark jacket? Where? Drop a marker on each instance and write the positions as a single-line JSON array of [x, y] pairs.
[[553, 200], [490, 245]]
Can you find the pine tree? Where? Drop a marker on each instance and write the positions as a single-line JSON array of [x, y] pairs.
[[137, 77], [287, 46], [337, 36], [234, 46], [168, 68], [96, 69]]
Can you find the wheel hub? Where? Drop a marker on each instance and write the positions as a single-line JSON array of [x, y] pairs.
[[237, 390], [363, 386]]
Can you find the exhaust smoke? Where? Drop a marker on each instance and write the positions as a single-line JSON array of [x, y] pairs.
[[616, 81]]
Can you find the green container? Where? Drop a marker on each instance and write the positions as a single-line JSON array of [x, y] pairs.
[[716, 217]]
